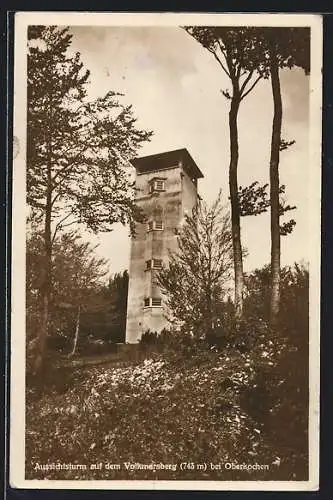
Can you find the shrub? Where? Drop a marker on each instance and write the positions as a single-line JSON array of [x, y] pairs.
[[172, 342], [294, 289], [148, 338]]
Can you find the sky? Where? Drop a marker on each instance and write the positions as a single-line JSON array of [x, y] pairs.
[[174, 85]]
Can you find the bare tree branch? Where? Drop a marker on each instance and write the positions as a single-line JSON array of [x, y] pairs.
[[220, 62], [59, 226], [70, 164], [246, 81], [252, 87]]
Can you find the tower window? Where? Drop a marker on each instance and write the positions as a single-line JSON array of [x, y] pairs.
[[157, 185], [154, 264], [152, 302], [155, 225], [157, 263]]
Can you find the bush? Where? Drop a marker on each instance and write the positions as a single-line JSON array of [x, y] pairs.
[[149, 338], [239, 391], [294, 289], [175, 343], [60, 342], [92, 346], [273, 389]]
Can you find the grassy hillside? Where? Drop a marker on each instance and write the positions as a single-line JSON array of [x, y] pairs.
[[192, 414]]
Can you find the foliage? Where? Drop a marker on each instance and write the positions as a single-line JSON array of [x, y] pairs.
[[78, 275], [199, 412], [291, 45], [246, 55], [79, 278], [294, 295], [107, 323], [281, 48], [236, 52], [286, 385], [118, 287], [77, 152], [288, 226], [175, 344], [203, 403], [84, 143], [254, 200], [78, 271], [149, 337], [195, 281]]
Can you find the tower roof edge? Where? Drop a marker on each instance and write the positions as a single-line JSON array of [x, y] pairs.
[[164, 160]]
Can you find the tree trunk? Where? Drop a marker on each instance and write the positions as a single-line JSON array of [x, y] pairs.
[[209, 284], [274, 190], [46, 286], [77, 329], [235, 210], [209, 317]]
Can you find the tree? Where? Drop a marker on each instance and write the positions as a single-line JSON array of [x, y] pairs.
[[117, 291], [198, 274], [253, 53], [275, 182], [78, 276], [254, 200], [281, 48], [77, 151], [235, 52], [294, 307]]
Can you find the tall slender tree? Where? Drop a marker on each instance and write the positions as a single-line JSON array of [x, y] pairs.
[[77, 150], [235, 52], [274, 182], [280, 48], [253, 53]]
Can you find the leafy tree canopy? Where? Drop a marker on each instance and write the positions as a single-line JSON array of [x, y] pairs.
[[77, 149]]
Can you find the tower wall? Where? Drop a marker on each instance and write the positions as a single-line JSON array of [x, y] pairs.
[[169, 207]]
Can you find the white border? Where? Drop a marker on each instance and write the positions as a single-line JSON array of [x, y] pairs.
[[17, 413]]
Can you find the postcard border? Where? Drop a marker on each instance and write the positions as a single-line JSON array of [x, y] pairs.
[[17, 394]]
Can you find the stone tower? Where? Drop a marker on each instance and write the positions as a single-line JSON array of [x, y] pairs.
[[166, 186]]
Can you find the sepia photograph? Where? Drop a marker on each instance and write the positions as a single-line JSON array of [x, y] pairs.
[[166, 251]]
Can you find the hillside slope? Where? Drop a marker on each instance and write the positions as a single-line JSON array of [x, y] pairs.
[[158, 418]]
